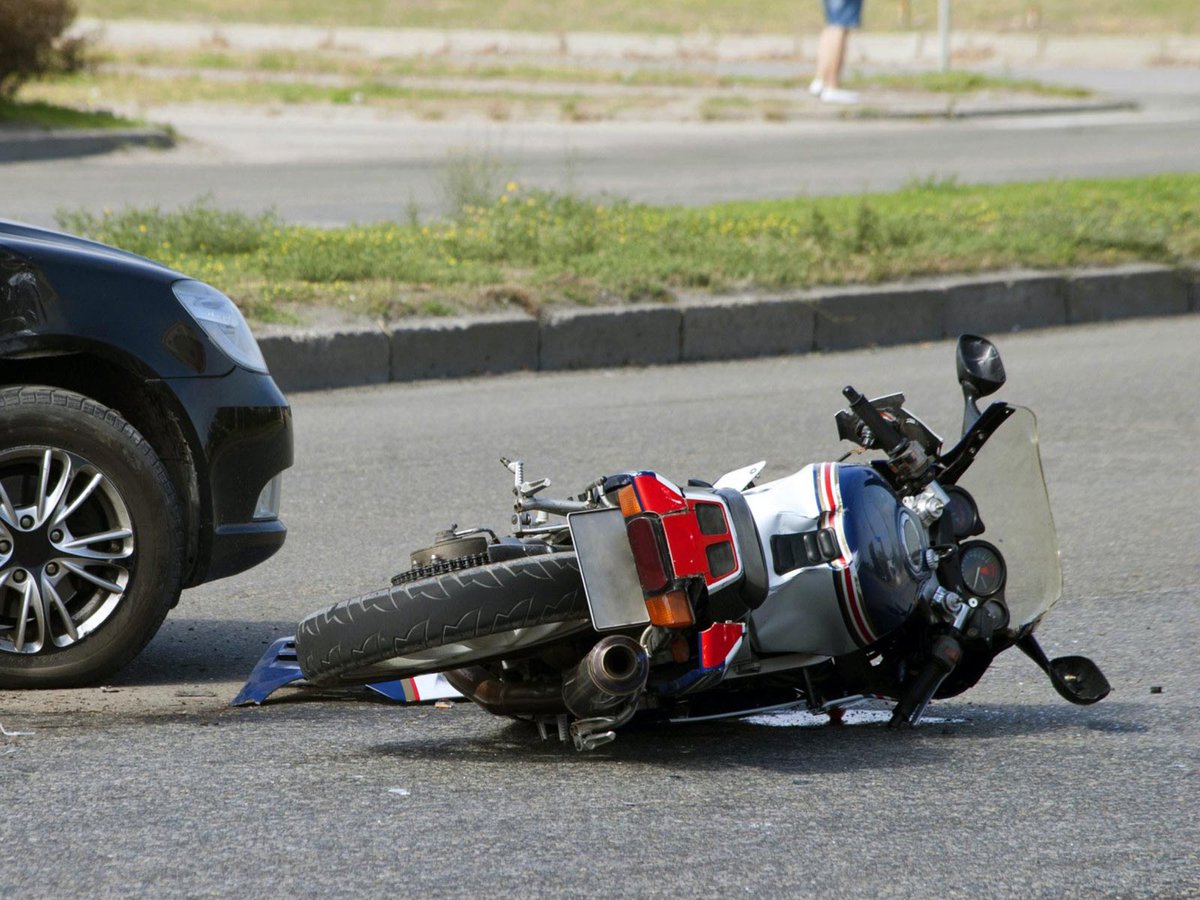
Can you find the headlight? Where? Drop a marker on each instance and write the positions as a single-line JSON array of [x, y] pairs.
[[222, 321]]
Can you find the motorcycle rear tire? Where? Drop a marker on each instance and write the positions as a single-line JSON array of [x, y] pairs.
[[444, 622]]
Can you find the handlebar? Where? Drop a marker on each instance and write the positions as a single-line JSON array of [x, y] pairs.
[[885, 433]]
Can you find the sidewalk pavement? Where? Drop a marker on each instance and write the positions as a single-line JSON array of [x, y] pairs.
[[906, 49], [703, 328]]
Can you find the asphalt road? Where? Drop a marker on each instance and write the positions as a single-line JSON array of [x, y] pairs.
[[348, 164], [155, 787]]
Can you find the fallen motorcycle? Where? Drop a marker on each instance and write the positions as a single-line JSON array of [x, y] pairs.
[[898, 579]]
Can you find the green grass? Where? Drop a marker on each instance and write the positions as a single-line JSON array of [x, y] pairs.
[[495, 97], [528, 248], [962, 82], [348, 65], [38, 114], [125, 87], [672, 16], [352, 65], [128, 89]]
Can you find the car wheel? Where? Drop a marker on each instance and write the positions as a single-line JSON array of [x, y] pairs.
[[90, 539]]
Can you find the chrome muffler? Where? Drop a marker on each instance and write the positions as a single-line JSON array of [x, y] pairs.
[[613, 673]]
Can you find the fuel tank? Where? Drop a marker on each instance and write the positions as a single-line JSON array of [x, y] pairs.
[[863, 582]]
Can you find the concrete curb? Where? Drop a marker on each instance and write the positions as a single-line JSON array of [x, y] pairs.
[[26, 144], [450, 348], [701, 328]]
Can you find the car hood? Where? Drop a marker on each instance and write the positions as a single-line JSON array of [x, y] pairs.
[[44, 243]]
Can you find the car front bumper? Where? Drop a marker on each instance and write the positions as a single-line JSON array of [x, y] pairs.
[[243, 439]]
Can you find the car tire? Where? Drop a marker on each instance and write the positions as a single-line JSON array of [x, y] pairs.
[[86, 507], [444, 622]]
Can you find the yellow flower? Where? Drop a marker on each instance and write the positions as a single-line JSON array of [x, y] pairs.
[[511, 187], [142, 228]]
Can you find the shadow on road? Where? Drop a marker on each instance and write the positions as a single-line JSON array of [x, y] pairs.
[[801, 750], [202, 650]]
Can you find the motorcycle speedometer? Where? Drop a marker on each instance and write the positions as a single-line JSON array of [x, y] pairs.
[[983, 569]]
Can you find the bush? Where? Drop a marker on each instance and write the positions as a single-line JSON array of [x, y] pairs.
[[31, 41]]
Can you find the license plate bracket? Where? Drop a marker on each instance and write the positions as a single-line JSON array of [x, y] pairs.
[[610, 579]]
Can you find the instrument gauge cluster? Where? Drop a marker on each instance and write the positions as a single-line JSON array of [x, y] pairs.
[[963, 513], [983, 569]]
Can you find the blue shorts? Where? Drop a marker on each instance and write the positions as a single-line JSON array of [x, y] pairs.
[[843, 13]]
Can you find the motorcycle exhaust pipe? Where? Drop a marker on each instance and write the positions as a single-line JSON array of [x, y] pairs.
[[614, 670], [500, 699]]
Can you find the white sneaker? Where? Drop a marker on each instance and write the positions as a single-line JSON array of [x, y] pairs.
[[837, 95], [816, 86]]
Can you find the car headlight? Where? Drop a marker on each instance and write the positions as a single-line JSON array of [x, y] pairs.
[[222, 321]]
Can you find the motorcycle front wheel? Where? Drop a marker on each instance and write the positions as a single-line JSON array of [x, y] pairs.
[[444, 622]]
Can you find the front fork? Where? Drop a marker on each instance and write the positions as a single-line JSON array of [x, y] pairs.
[[944, 656]]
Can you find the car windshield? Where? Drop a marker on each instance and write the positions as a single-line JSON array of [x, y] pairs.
[[1007, 483]]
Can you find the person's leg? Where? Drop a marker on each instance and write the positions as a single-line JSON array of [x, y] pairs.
[[831, 53]]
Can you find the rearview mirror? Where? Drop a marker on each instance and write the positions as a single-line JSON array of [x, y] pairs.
[[980, 369], [980, 372], [1078, 679]]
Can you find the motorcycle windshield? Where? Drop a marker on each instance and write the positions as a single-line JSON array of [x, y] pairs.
[[1009, 487]]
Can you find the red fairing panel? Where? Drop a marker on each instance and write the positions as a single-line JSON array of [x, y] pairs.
[[719, 644], [693, 552], [658, 495]]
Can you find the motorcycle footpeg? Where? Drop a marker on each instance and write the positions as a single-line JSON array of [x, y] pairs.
[[588, 734]]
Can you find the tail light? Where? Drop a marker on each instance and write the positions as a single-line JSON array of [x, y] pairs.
[[667, 606], [653, 569]]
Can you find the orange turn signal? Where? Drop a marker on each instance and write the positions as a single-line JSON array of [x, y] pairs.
[[671, 609], [627, 497]]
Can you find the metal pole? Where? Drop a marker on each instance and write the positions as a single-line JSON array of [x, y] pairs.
[[944, 35]]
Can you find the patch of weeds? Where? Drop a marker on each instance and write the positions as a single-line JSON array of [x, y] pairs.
[[437, 308], [511, 295], [933, 183], [199, 227], [470, 180], [716, 109], [960, 81]]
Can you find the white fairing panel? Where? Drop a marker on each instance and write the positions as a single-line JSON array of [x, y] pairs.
[[801, 613], [739, 479]]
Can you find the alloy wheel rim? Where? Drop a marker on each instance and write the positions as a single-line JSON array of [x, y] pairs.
[[66, 549]]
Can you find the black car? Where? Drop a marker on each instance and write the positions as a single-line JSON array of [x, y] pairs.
[[142, 443]]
